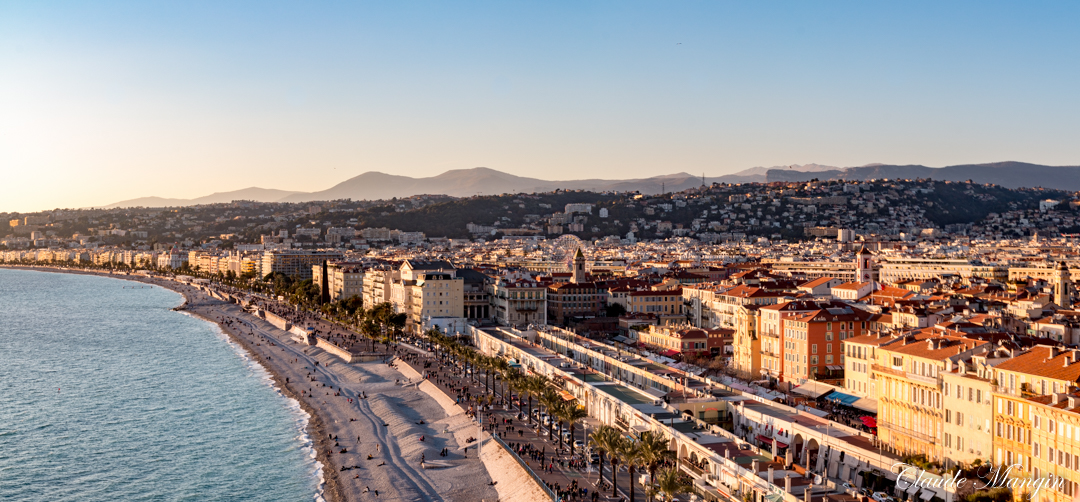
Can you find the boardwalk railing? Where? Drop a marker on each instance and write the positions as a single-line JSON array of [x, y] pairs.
[[525, 466]]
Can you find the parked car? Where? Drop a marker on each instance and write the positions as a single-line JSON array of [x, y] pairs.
[[882, 497], [578, 444]]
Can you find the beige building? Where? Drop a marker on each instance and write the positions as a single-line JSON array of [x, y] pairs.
[[376, 286], [346, 280], [860, 353], [911, 408], [296, 264], [434, 295], [967, 398], [746, 347], [519, 302]]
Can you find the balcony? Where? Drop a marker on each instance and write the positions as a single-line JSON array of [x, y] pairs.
[[888, 370], [692, 469], [932, 381]]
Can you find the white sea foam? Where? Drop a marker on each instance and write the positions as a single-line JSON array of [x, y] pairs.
[[300, 416]]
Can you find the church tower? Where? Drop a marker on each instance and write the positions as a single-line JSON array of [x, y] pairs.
[[864, 266], [1063, 286], [578, 272]]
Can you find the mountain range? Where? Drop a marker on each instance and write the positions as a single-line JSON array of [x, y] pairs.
[[483, 181], [1007, 174]]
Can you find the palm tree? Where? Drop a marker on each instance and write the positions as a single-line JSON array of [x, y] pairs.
[[670, 483], [574, 414], [603, 441], [629, 453], [534, 386], [489, 373], [615, 452], [515, 380], [654, 451], [502, 366], [550, 400]]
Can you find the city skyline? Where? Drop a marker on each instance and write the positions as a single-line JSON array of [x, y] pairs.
[[118, 101]]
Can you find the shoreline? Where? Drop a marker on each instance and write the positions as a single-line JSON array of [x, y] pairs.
[[330, 488]]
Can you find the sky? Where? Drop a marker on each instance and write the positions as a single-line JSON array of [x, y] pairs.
[[104, 101]]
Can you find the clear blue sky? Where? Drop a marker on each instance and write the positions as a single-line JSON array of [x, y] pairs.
[[104, 101]]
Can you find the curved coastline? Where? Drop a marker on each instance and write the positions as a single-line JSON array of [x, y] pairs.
[[329, 482], [305, 417]]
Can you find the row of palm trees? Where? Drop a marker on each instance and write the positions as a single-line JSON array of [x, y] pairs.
[[650, 450], [527, 387]]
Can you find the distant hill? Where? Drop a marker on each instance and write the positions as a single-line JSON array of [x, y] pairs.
[[1006, 174], [253, 193], [484, 181]]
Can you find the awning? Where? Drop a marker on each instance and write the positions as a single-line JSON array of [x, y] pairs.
[[866, 404], [869, 421], [621, 339], [844, 399], [776, 497], [834, 368], [670, 353], [764, 439], [912, 489], [781, 445], [926, 495], [566, 395], [813, 389]]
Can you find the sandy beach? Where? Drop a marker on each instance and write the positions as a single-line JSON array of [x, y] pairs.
[[371, 422]]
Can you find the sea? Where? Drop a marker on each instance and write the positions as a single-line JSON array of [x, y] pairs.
[[108, 395]]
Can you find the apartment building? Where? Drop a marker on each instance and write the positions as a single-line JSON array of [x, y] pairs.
[[676, 340], [1055, 445], [812, 342], [346, 279], [746, 345], [568, 299], [294, 263], [376, 285], [911, 409], [860, 353], [1030, 396], [651, 301], [433, 294], [967, 399], [519, 301]]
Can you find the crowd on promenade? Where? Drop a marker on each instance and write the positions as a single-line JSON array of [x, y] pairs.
[[566, 474]]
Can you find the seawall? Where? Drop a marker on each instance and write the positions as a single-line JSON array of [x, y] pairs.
[[513, 479]]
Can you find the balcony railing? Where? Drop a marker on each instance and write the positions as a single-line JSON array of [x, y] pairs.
[[692, 469], [887, 370]]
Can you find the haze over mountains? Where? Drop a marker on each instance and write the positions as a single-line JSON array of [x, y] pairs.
[[483, 181]]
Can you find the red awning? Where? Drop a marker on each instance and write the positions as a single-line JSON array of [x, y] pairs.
[[781, 445], [670, 353], [764, 439], [869, 421]]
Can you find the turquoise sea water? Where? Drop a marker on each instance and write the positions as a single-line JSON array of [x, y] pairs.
[[107, 395]]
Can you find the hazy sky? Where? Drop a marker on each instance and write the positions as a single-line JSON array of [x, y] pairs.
[[103, 101]]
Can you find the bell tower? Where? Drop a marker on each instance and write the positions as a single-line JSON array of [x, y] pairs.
[[1063, 286], [864, 266], [578, 272]]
